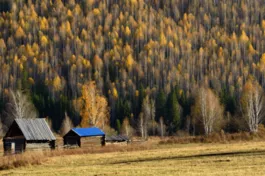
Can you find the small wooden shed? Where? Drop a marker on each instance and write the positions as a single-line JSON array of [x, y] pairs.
[[84, 137], [26, 134], [117, 139]]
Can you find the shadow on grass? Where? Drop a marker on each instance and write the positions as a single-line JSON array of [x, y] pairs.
[[239, 153]]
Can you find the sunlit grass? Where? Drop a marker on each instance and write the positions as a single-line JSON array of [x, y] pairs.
[[242, 158]]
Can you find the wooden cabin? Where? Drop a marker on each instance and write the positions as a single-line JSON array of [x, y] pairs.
[[117, 139], [84, 137], [28, 134]]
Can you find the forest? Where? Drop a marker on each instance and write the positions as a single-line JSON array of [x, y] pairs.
[[140, 67]]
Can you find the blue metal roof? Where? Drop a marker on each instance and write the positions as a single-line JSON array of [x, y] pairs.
[[85, 132]]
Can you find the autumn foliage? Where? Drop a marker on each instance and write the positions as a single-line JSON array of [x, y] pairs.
[[92, 106], [131, 49], [252, 104], [208, 110]]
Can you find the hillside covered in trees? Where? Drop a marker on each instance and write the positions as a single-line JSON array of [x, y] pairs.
[[163, 66]]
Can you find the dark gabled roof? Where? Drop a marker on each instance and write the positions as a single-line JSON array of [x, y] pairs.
[[117, 138], [85, 132], [35, 129]]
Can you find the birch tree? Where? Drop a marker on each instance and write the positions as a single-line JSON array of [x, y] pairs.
[[148, 110], [141, 125], [162, 127], [67, 125], [19, 106], [208, 109], [252, 104], [126, 127], [152, 115]]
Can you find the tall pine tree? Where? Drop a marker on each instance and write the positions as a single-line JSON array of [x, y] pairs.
[[173, 113], [161, 101]]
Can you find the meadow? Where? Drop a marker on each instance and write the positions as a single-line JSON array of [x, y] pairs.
[[235, 158]]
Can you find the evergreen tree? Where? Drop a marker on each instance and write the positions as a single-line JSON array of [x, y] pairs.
[[173, 113], [160, 105], [118, 126], [228, 101]]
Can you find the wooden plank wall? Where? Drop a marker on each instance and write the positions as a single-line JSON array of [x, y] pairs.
[[37, 146], [21, 147], [91, 141]]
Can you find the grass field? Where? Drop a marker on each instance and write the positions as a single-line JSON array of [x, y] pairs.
[[242, 158]]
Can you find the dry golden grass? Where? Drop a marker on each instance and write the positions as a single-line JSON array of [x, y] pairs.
[[40, 156], [241, 158]]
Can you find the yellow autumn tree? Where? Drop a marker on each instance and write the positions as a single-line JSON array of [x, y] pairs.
[[19, 32], [115, 93], [92, 106], [127, 31], [251, 49], [44, 25], [69, 13], [57, 83], [96, 12], [244, 37], [163, 39], [44, 41], [129, 62]]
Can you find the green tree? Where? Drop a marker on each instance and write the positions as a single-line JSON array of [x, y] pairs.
[[173, 113], [161, 100]]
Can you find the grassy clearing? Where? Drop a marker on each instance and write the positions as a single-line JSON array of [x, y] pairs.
[[40, 156], [242, 158]]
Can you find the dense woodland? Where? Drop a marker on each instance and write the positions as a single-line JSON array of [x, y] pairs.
[[164, 67]]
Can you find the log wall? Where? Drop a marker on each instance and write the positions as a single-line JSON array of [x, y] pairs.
[[91, 141]]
